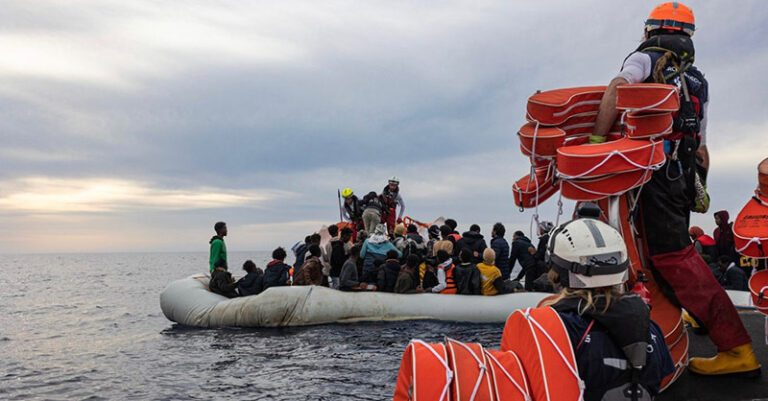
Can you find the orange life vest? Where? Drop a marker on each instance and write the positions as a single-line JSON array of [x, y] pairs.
[[449, 281]]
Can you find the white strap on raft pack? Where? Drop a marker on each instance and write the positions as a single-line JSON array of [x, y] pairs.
[[480, 365], [448, 371], [509, 377], [571, 368], [753, 240]]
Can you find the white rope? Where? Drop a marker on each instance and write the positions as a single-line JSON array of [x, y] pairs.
[[573, 370], [525, 394], [753, 240], [577, 104], [480, 365], [448, 371]]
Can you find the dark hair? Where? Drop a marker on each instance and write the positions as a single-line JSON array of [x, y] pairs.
[[392, 254], [249, 266], [465, 255], [412, 228], [315, 238], [445, 231], [413, 260], [433, 231], [346, 231], [314, 250], [218, 226], [475, 228], [451, 223], [220, 263], [519, 233], [499, 229], [442, 256], [333, 230], [724, 259], [307, 239], [279, 254], [354, 251]]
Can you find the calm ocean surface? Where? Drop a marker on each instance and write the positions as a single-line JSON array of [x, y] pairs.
[[89, 327]]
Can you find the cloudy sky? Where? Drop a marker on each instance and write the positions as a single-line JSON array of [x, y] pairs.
[[135, 125]]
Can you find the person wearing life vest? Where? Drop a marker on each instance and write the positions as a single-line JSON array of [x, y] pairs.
[[446, 284], [666, 56], [620, 352], [392, 199], [704, 244], [351, 210]]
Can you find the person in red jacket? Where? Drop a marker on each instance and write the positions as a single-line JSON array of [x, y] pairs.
[[703, 243]]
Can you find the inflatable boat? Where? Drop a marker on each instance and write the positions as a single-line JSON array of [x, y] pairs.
[[189, 302]]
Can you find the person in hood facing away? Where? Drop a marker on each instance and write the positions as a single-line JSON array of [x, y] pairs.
[[348, 276], [500, 247], [253, 282], [491, 281], [732, 277], [300, 251], [704, 244], [434, 235], [474, 241], [277, 272], [523, 251], [454, 235], [446, 244], [312, 271], [723, 236], [222, 282], [414, 243], [375, 248], [398, 237], [218, 249], [467, 275], [387, 277], [603, 323], [336, 252], [407, 280]]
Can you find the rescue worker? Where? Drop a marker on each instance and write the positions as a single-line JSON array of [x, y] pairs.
[[351, 210], [665, 56], [620, 351], [392, 199]]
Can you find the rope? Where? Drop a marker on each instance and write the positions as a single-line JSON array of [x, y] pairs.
[[573, 106], [480, 365], [448, 371], [526, 395], [753, 240]]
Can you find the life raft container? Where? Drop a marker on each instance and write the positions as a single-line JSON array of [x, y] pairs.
[[617, 155], [758, 290], [510, 383], [530, 193], [647, 98], [593, 189], [540, 141], [471, 378], [539, 338], [750, 229], [554, 107], [425, 374], [652, 125]]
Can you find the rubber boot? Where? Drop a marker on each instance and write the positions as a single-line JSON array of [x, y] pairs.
[[739, 361], [694, 324]]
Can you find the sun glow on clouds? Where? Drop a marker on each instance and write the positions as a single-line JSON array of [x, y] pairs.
[[48, 195]]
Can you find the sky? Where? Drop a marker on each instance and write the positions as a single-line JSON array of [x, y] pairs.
[[136, 125]]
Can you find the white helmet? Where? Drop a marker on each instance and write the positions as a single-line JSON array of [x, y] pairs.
[[394, 180], [587, 253]]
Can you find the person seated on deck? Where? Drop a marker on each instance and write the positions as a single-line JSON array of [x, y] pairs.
[[619, 350], [414, 243], [277, 272], [704, 244], [491, 281], [348, 280], [222, 282], [408, 280], [398, 237], [387, 277], [732, 277], [253, 282], [446, 244], [375, 248], [446, 284], [433, 232], [467, 275], [312, 271], [473, 240]]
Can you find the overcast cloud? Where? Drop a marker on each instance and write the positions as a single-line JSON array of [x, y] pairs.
[[136, 125]]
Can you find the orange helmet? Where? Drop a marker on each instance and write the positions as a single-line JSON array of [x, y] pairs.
[[672, 15]]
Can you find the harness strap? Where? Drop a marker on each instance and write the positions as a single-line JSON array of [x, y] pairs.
[[584, 337]]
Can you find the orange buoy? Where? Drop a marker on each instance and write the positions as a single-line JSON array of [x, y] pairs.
[[652, 125], [750, 229], [529, 192], [617, 155], [508, 376], [602, 187], [540, 141], [424, 373], [554, 107], [758, 289], [647, 98], [471, 376]]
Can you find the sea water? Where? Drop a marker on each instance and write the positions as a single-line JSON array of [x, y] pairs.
[[89, 327]]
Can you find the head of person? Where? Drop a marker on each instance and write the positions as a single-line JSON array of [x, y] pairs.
[[249, 266], [489, 257], [474, 228], [314, 250], [723, 262], [380, 229], [346, 234], [307, 239], [393, 183], [517, 234], [412, 229], [465, 255], [695, 232], [433, 231], [721, 218], [545, 227], [445, 231], [670, 18], [413, 261], [220, 228], [333, 230], [354, 252], [451, 223], [498, 230], [315, 239], [442, 256], [392, 254], [399, 230], [347, 194], [279, 254]]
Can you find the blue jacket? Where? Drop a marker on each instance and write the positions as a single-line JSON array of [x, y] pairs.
[[521, 254], [501, 247], [372, 251]]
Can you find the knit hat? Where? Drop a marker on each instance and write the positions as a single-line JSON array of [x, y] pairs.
[[695, 231], [399, 229], [489, 257]]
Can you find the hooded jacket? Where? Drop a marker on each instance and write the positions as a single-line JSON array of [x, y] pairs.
[[218, 251], [501, 247], [251, 284], [376, 247], [475, 242], [521, 254], [724, 236], [311, 273], [222, 283], [387, 277], [276, 274]]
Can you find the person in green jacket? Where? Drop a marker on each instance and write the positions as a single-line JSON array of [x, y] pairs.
[[218, 247]]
